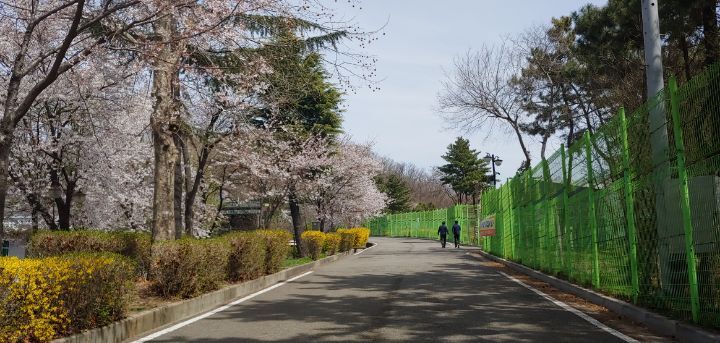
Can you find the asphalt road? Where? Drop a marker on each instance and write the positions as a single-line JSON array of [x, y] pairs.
[[402, 290]]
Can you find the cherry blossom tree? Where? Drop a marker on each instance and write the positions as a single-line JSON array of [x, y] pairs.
[[74, 142], [344, 191], [42, 40]]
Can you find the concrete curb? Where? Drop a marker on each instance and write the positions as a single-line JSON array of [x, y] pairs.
[[682, 331], [151, 320]]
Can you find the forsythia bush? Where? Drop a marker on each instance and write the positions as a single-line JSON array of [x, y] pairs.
[[49, 297], [189, 267], [134, 245], [332, 243], [313, 243], [357, 237], [277, 245], [361, 236], [247, 256], [347, 239]]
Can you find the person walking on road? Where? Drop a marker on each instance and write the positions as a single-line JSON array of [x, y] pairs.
[[443, 231], [456, 233]]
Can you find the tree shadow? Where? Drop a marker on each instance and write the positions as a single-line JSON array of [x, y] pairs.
[[442, 295]]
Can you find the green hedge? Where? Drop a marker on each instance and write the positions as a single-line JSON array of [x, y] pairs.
[[189, 267], [278, 248], [247, 256], [135, 245]]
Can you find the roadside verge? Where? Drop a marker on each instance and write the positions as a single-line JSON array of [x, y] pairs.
[[151, 320], [684, 332]]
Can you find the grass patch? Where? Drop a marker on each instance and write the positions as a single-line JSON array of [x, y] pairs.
[[292, 262]]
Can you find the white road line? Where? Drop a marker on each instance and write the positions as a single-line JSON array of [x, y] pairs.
[[219, 309], [575, 311], [362, 251]]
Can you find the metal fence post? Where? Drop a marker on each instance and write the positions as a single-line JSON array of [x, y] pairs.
[[566, 211], [629, 205], [685, 201], [547, 213], [591, 213], [511, 215]]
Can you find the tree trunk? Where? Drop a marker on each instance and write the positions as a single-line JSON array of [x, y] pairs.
[[178, 194], [686, 57], [710, 31], [296, 220], [193, 187], [65, 207], [190, 192], [5, 143], [522, 145], [164, 126]]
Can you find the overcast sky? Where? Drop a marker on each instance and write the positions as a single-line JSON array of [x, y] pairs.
[[421, 38]]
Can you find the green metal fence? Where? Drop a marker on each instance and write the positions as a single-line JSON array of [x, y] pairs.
[[614, 212]]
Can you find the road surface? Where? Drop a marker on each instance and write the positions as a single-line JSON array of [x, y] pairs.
[[402, 290]]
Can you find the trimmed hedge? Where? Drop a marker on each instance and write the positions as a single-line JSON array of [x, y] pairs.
[[278, 248], [347, 239], [45, 298], [313, 242], [135, 245], [332, 243], [189, 267], [247, 256], [360, 236]]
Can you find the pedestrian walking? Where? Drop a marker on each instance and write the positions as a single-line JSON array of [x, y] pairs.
[[443, 231], [456, 233]]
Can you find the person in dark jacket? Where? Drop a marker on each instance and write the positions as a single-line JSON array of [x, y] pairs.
[[443, 231], [456, 233]]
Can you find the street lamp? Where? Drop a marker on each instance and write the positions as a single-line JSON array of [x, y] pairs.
[[493, 160]]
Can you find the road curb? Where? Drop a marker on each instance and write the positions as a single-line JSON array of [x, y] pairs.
[[682, 331], [157, 318]]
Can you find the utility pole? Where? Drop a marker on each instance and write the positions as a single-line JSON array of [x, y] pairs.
[[657, 120], [655, 80]]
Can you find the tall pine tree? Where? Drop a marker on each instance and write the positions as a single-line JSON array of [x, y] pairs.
[[397, 191], [464, 172]]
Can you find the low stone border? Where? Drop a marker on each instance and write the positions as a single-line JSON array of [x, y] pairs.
[[660, 324], [153, 319]]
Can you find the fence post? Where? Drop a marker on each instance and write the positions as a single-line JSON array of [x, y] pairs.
[[511, 216], [566, 210], [547, 214], [591, 213], [629, 205], [685, 201]]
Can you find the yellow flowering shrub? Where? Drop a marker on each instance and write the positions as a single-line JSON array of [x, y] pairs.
[[313, 243], [361, 236], [332, 243], [45, 298], [278, 248], [135, 245], [347, 239]]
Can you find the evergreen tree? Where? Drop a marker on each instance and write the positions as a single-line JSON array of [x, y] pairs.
[[464, 172], [397, 191]]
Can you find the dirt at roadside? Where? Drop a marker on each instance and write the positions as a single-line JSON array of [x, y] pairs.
[[626, 326]]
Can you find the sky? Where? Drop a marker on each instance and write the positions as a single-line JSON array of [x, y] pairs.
[[421, 38]]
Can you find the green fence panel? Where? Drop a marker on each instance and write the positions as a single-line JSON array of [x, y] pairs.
[[603, 212]]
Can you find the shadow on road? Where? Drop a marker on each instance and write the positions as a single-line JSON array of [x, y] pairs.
[[422, 294]]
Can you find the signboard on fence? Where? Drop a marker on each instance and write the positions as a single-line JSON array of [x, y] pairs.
[[487, 226]]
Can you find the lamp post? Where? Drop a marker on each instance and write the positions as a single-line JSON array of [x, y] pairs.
[[493, 160]]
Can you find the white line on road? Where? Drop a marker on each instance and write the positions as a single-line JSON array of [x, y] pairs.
[[575, 311], [362, 251], [219, 309]]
